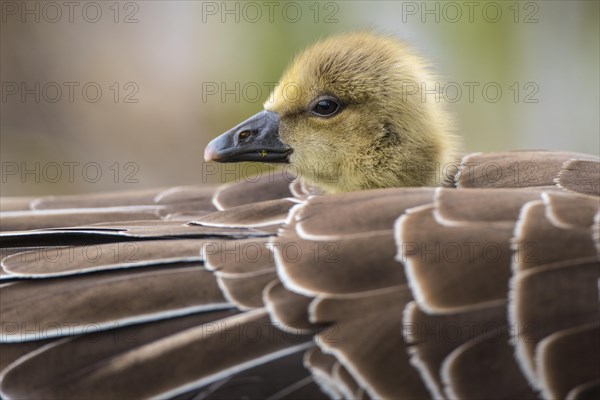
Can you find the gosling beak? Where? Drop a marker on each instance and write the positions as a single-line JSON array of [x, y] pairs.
[[255, 139]]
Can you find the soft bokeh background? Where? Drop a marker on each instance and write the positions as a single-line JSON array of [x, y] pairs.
[[169, 53]]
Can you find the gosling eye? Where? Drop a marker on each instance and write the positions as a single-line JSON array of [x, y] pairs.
[[244, 135], [325, 107]]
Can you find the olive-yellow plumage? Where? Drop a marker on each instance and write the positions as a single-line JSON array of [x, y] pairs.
[[385, 134], [355, 111]]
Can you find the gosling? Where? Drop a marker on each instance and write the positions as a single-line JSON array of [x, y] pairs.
[[350, 114]]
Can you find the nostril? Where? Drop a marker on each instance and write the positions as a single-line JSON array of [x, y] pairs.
[[245, 134]]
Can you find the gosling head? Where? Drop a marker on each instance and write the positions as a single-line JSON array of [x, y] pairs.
[[349, 114]]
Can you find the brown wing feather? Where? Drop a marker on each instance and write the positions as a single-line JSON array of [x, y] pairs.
[[385, 288]]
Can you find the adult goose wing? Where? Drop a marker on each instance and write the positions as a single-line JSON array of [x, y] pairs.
[[258, 289]]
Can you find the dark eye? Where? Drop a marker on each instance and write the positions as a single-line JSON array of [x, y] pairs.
[[325, 108], [245, 134]]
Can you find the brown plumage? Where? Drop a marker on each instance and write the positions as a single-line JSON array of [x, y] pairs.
[[488, 289]]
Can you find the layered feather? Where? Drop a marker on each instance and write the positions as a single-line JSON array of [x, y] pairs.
[[262, 289]]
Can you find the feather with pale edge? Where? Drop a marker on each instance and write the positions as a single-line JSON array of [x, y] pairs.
[[263, 290]]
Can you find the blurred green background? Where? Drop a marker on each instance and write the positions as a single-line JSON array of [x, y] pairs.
[[175, 74]]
